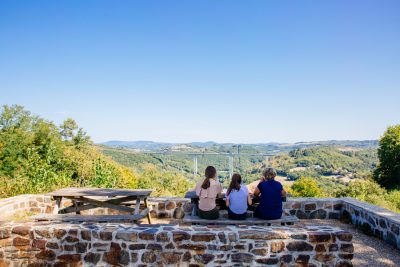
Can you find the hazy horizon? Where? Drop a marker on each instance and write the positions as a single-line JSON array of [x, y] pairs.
[[241, 72], [256, 143]]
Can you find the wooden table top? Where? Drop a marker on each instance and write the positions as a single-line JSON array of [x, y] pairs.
[[91, 191]]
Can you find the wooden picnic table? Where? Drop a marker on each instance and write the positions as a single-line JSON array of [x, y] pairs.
[[91, 198]]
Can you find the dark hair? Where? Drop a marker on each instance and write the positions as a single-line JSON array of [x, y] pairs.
[[269, 173], [209, 173], [235, 183]]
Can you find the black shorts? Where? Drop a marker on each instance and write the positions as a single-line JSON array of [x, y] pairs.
[[234, 216], [209, 214]]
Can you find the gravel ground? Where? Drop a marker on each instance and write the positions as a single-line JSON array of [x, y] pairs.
[[368, 251]]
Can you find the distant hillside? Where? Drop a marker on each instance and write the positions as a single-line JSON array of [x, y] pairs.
[[343, 163], [141, 145], [340, 161], [211, 146]]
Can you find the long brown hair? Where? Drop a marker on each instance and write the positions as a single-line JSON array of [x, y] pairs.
[[210, 173], [235, 183]]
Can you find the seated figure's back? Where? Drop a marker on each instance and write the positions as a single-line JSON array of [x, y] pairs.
[[207, 190], [270, 207]]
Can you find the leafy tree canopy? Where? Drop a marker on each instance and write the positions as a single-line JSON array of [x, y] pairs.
[[387, 172], [36, 156]]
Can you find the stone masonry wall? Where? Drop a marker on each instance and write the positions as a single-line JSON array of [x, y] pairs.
[[372, 220], [164, 207], [51, 244], [314, 208], [13, 206]]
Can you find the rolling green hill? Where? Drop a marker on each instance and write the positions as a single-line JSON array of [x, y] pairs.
[[338, 163]]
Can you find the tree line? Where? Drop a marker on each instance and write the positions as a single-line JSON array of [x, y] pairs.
[[37, 156], [381, 186]]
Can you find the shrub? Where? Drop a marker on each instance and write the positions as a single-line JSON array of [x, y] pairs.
[[361, 189], [371, 192], [306, 187], [394, 198]]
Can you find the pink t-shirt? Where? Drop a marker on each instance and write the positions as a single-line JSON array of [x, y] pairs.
[[207, 196]]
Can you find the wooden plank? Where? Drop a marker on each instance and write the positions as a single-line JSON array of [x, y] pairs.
[[104, 204], [71, 209], [88, 218], [88, 191], [144, 212], [248, 221], [122, 199], [80, 207]]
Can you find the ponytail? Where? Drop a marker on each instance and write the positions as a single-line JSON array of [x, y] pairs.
[[210, 173]]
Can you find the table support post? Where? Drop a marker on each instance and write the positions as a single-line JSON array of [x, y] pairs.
[[148, 212], [57, 207], [77, 204], [137, 206], [195, 203]]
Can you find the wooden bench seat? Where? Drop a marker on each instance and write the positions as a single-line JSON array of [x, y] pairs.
[[285, 220], [75, 218]]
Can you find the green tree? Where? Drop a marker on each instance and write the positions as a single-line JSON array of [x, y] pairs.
[[387, 173], [68, 128], [81, 139], [36, 156], [306, 187], [162, 182]]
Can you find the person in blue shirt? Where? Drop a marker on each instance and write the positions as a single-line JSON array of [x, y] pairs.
[[270, 193], [237, 199]]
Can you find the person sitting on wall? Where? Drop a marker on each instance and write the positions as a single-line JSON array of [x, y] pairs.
[[237, 199], [270, 192], [208, 190]]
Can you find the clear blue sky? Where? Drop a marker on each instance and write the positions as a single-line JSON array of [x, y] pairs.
[[228, 71]]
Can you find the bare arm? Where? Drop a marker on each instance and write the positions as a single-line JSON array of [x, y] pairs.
[[283, 192], [256, 192], [219, 192], [249, 200], [227, 201]]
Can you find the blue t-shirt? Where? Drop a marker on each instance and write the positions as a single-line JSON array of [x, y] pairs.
[[270, 206], [238, 200]]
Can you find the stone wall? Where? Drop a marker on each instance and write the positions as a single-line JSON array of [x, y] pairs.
[[303, 208], [165, 207], [371, 219], [14, 206], [314, 208], [42, 244]]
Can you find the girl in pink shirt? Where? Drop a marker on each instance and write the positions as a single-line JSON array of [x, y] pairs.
[[207, 190]]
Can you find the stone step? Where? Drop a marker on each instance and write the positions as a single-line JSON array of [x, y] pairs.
[[286, 220], [88, 218]]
